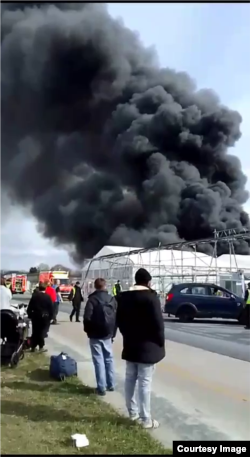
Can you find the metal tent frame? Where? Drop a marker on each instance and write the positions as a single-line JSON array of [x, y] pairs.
[[122, 260]]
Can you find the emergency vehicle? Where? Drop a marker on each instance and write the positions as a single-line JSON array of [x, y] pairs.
[[17, 283], [60, 276]]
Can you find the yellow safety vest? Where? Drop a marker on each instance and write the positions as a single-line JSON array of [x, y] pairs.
[[218, 293], [248, 298], [74, 292], [115, 290]]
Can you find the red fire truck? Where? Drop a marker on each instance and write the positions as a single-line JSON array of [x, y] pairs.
[[17, 283], [62, 277]]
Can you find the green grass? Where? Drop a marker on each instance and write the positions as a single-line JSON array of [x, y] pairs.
[[38, 416]]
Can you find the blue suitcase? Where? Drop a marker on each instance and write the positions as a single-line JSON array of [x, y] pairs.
[[62, 366]]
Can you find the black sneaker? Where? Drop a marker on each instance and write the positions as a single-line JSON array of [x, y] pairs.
[[70, 318], [78, 320], [110, 389], [101, 393]]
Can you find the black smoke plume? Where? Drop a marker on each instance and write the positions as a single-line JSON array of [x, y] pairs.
[[104, 145]]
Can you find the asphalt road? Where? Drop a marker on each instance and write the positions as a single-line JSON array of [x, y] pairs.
[[214, 335]]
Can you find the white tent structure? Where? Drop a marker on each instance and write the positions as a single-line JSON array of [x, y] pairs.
[[165, 266], [239, 262]]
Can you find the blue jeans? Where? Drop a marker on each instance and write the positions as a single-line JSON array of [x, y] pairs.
[[142, 373], [102, 356]]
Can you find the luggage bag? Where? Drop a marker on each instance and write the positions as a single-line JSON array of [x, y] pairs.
[[62, 366]]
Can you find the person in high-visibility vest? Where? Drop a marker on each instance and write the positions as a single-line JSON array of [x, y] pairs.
[[247, 307], [117, 288], [218, 293], [76, 297]]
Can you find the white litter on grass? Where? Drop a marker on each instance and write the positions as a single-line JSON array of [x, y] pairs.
[[80, 440]]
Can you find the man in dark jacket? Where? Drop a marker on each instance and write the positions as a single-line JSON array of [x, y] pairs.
[[99, 324], [140, 321], [77, 298], [40, 312]]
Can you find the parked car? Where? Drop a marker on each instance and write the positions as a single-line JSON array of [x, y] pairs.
[[197, 300]]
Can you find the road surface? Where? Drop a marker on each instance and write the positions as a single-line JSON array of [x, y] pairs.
[[222, 337], [213, 335]]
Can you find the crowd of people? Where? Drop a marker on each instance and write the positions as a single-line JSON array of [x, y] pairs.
[[43, 308], [138, 316], [104, 314]]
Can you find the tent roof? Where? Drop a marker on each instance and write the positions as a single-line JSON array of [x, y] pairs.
[[169, 258]]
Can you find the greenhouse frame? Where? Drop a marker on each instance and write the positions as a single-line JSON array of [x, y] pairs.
[[176, 262]]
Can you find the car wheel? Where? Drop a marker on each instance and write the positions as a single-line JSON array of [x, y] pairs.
[[185, 314]]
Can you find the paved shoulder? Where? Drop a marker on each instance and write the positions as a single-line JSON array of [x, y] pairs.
[[197, 395]]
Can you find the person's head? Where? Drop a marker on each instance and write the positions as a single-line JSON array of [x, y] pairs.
[[42, 287], [3, 282], [142, 277], [48, 284], [100, 284], [78, 283], [57, 289], [118, 282]]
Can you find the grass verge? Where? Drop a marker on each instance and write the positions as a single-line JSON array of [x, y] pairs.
[[38, 416]]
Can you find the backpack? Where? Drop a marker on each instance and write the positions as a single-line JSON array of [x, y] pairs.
[[106, 315], [62, 366]]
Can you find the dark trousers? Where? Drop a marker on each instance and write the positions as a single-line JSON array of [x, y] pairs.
[[247, 316], [39, 330], [46, 332], [76, 310], [56, 309]]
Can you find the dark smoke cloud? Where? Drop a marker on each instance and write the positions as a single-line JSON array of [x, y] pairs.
[[103, 144]]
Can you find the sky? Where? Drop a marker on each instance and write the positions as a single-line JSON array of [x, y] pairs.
[[208, 41]]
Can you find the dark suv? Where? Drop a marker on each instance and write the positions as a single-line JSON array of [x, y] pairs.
[[196, 300]]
